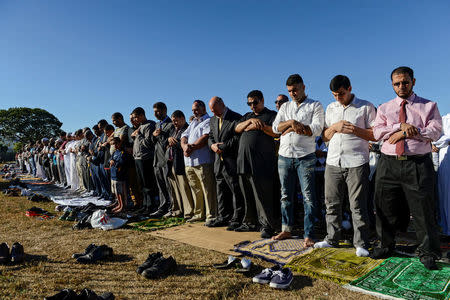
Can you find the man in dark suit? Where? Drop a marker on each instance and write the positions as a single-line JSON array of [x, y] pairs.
[[224, 142]]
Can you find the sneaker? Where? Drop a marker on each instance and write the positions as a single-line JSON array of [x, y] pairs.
[[5, 257], [161, 267], [17, 253], [266, 275], [86, 251], [281, 279], [65, 215], [148, 262]]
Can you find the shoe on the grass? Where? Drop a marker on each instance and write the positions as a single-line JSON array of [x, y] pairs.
[[65, 294], [17, 253], [281, 279], [229, 263], [102, 252], [148, 262], [266, 275], [5, 256], [245, 267], [86, 251], [161, 267]]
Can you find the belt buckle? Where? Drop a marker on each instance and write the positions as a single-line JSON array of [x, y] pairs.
[[402, 157]]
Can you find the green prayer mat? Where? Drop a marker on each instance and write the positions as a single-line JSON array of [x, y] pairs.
[[279, 252], [155, 224], [405, 278], [340, 265]]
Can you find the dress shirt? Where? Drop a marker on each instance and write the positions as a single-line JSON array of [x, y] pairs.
[[348, 150], [420, 112], [195, 130], [309, 112]]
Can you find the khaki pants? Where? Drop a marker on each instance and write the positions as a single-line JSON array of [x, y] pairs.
[[203, 187], [181, 194]]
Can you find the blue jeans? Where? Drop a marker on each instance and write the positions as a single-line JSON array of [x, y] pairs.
[[288, 169]]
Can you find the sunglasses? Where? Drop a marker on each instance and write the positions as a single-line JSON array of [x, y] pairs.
[[255, 102]]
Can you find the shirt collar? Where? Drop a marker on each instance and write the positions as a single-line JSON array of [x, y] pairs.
[[202, 118], [399, 100], [224, 113]]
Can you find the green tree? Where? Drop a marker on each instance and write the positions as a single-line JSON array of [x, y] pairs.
[[26, 125]]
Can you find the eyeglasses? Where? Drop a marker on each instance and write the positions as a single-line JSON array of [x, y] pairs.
[[255, 102], [405, 83]]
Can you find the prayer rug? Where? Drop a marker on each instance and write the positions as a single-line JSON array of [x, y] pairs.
[[405, 278], [340, 265], [279, 252], [155, 224]]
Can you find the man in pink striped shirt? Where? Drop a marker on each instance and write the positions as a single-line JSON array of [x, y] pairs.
[[404, 181]]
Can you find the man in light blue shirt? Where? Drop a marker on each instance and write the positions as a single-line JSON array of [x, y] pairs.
[[198, 160]]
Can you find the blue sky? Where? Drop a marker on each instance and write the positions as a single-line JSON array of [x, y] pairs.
[[84, 60]]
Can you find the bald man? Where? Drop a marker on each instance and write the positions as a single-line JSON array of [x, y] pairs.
[[224, 142]]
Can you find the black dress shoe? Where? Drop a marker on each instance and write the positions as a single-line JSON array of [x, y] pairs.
[[65, 294], [381, 253], [429, 262], [246, 228], [233, 226], [161, 267], [157, 214], [17, 253], [266, 233], [218, 223], [5, 257], [98, 253], [86, 251], [148, 262], [87, 294]]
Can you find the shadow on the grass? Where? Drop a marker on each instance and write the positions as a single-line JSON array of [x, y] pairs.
[[121, 258], [301, 282], [186, 270]]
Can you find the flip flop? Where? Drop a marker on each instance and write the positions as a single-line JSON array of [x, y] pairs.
[[229, 263]]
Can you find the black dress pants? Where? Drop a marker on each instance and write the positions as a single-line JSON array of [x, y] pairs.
[[230, 201], [147, 181], [403, 187]]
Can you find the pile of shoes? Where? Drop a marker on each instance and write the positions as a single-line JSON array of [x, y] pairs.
[[93, 254], [17, 255], [12, 191], [38, 198], [85, 294], [156, 266], [244, 265], [38, 212], [277, 277]]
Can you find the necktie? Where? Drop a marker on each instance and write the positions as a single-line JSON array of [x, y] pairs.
[[400, 146], [220, 123]]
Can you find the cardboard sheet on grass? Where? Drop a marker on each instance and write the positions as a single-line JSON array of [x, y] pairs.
[[156, 224], [340, 265], [279, 252], [196, 234], [405, 278]]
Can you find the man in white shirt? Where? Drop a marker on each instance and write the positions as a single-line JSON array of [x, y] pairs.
[[299, 122], [348, 129]]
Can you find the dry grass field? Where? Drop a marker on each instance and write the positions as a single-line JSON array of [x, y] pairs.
[[49, 267]]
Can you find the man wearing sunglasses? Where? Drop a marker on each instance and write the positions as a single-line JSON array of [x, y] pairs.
[[405, 180], [256, 165], [298, 122], [281, 99]]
